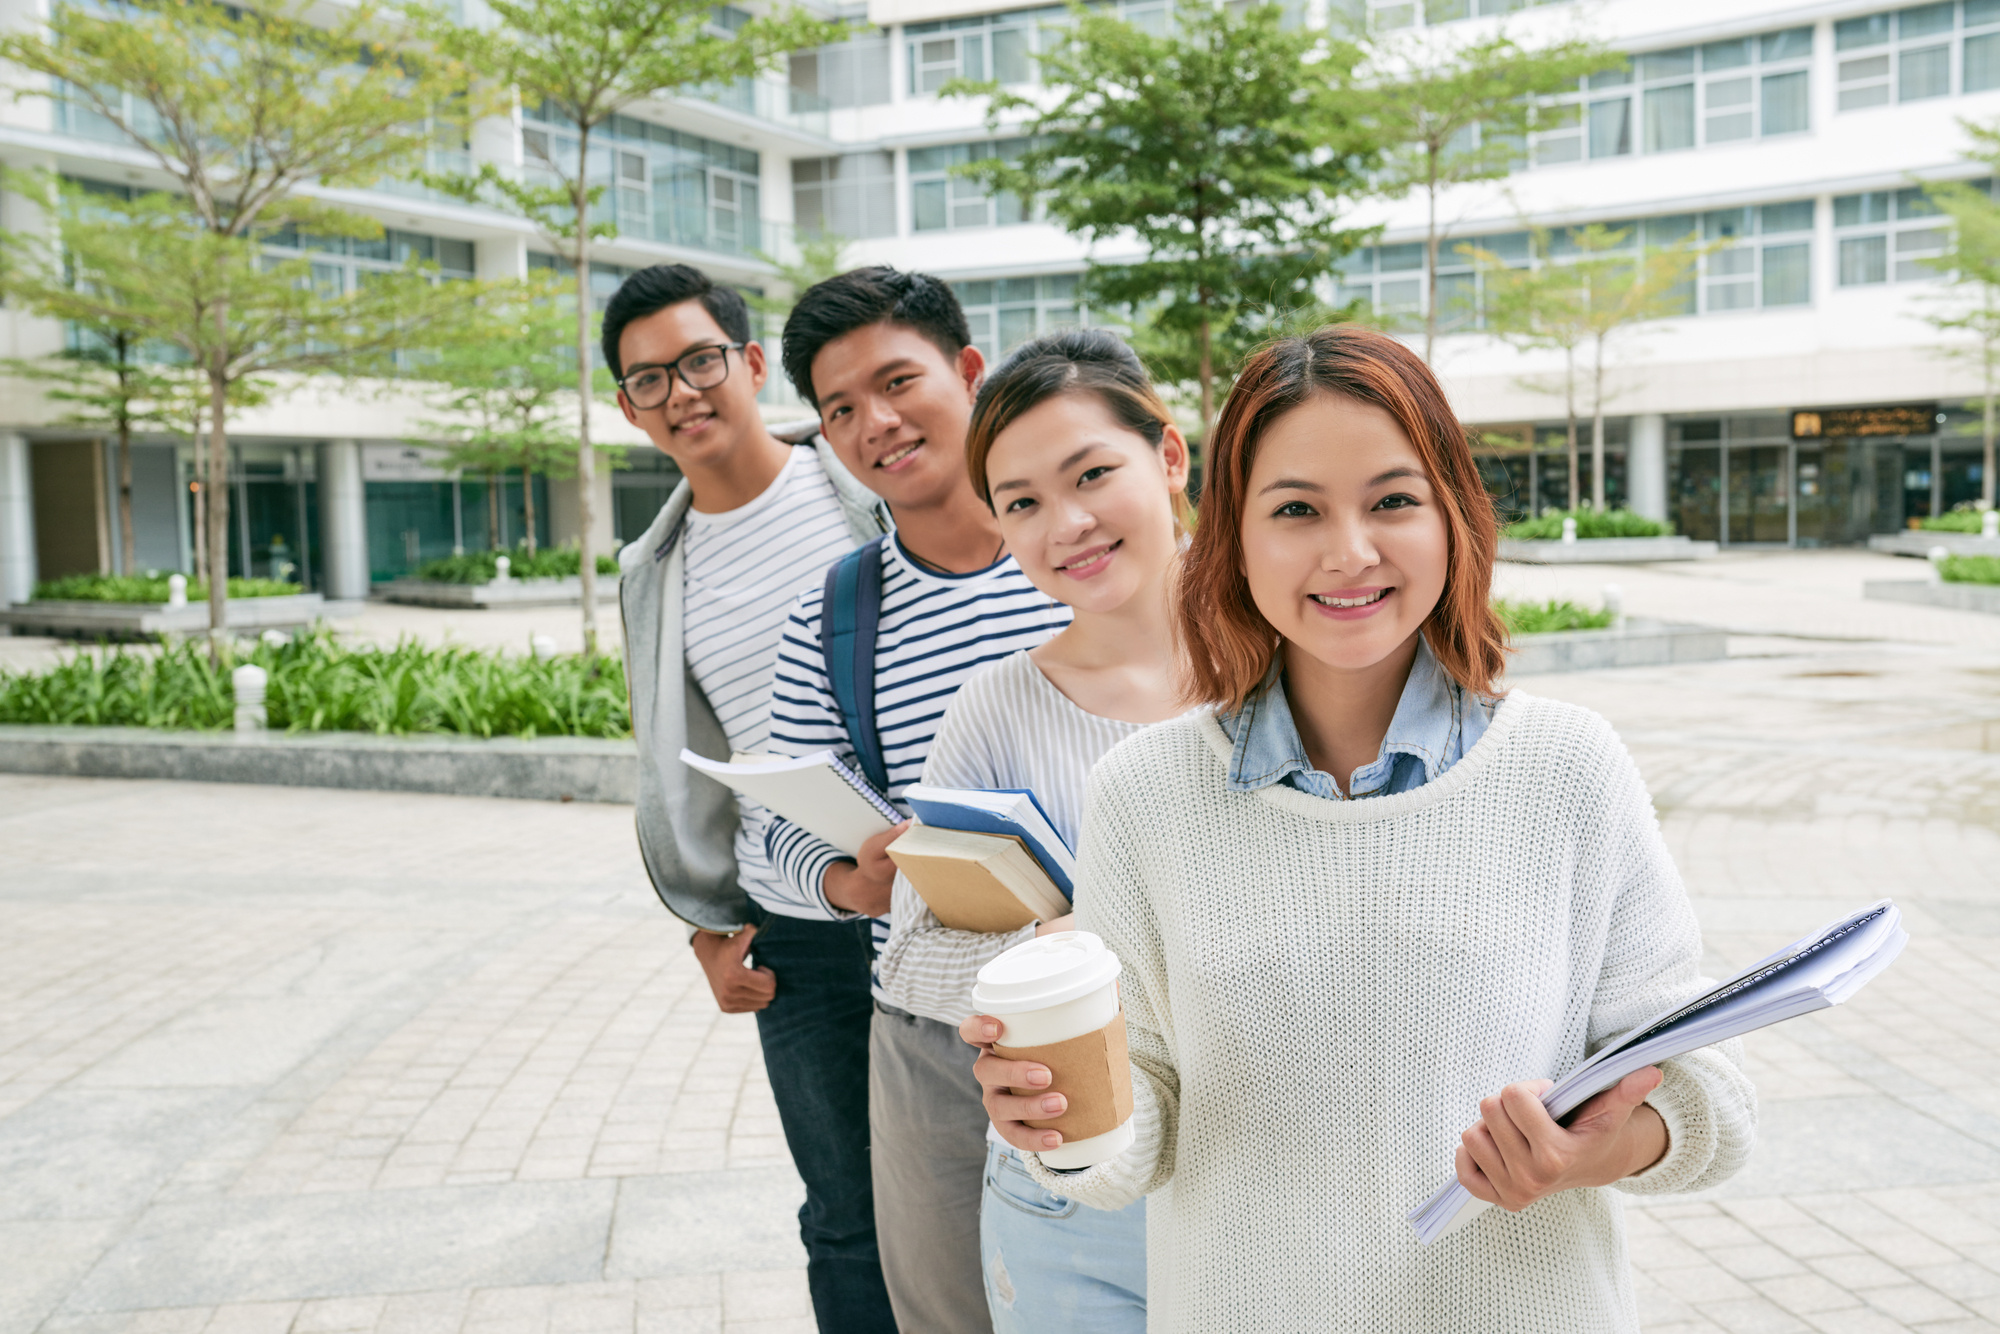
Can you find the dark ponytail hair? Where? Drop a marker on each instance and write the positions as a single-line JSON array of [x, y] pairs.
[[1069, 361]]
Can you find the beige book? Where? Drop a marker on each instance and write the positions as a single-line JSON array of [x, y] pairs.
[[977, 882]]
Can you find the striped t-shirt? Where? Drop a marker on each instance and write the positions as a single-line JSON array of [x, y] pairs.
[[745, 568], [936, 630], [1009, 727]]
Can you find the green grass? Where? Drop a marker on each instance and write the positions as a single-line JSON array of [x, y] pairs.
[[148, 588], [1970, 569], [477, 567], [1589, 523], [319, 685], [1541, 618], [1954, 521]]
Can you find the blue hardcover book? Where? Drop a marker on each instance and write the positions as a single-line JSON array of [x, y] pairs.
[[1013, 813]]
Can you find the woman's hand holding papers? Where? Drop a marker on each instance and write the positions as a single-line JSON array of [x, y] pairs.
[[998, 1078], [863, 885], [1516, 1154]]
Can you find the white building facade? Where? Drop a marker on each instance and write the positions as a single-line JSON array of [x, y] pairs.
[[1800, 400]]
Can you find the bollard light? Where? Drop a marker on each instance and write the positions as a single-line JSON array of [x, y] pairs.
[[1569, 530], [542, 646], [1989, 525], [248, 681], [1614, 602], [501, 566], [1936, 554], [177, 590]]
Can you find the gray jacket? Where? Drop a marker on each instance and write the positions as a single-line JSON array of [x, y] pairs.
[[687, 822]]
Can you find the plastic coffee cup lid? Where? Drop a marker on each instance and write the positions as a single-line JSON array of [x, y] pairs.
[[1045, 971]]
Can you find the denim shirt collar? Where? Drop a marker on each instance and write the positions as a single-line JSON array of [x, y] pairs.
[[1435, 723]]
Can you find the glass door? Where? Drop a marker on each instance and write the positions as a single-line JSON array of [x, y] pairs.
[[1759, 494], [1697, 492]]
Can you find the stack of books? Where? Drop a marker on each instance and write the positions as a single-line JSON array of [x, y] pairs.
[[985, 860]]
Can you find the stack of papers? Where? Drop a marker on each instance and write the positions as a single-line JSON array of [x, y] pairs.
[[1819, 971], [815, 792]]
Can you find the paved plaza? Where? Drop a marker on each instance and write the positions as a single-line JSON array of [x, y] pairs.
[[313, 1061]]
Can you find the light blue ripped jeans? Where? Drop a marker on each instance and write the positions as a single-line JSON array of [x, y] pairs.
[[1054, 1264]]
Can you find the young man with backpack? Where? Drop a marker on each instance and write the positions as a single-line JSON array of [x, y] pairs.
[[704, 595], [868, 662]]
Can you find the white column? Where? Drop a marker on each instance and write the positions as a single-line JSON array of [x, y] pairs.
[[343, 521], [17, 519], [1646, 466], [565, 514]]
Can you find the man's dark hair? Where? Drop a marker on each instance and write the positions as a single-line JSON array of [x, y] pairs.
[[664, 285], [857, 299]]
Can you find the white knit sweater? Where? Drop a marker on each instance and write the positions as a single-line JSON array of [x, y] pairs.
[[1319, 993]]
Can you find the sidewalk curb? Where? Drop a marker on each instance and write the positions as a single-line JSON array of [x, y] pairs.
[[1925, 593], [1637, 643], [544, 769]]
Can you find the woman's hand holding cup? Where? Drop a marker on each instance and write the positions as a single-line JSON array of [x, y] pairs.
[[1001, 1082]]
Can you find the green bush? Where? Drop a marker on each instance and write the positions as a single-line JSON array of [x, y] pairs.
[[1970, 569], [1589, 523], [319, 685], [1954, 521], [148, 588], [1541, 618], [478, 567]]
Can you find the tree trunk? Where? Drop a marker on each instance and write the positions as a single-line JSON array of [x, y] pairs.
[[128, 560], [586, 469], [1569, 388], [218, 506], [200, 501], [1986, 479], [493, 539], [1597, 431], [1431, 258], [1205, 374], [528, 510]]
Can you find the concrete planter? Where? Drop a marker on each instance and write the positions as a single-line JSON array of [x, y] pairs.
[[498, 593], [1923, 592], [1917, 542], [1636, 643], [1604, 550], [547, 769], [142, 620]]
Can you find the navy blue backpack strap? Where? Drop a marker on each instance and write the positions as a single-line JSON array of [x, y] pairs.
[[849, 616]]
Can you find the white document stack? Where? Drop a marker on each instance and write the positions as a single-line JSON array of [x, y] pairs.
[[1819, 971]]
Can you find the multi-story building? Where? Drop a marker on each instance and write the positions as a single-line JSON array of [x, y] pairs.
[[1790, 135]]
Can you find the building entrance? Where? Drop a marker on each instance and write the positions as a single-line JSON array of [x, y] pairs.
[[1742, 481]]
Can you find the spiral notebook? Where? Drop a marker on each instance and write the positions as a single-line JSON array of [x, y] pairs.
[[815, 792], [1812, 973]]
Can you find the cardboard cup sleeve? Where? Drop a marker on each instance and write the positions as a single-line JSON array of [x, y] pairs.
[[1093, 1071]]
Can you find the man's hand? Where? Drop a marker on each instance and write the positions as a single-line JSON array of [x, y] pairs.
[[738, 990], [1516, 1154], [863, 886]]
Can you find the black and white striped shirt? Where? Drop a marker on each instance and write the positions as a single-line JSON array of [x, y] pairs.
[[936, 630], [745, 568]]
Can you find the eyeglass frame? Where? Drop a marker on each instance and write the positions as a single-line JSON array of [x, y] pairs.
[[673, 368]]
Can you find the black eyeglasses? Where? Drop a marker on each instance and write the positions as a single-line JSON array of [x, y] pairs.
[[703, 368]]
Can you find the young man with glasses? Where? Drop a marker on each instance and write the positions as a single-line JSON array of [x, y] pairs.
[[705, 593]]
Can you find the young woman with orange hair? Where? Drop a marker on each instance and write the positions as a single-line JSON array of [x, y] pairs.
[[1371, 900]]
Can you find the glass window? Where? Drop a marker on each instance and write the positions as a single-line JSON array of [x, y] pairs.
[[1872, 30], [1913, 248], [1611, 127], [1730, 114], [1924, 20], [1003, 314], [1791, 44], [1787, 275], [1725, 55], [1923, 73], [1670, 118], [1666, 64], [1982, 63], [853, 195], [1979, 12], [1864, 260], [1796, 216], [942, 201], [854, 73], [1853, 210], [1785, 110]]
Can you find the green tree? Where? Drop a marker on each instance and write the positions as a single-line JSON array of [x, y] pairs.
[[241, 109], [1459, 112], [583, 62], [1227, 147], [1971, 263], [109, 388], [1583, 288], [505, 375]]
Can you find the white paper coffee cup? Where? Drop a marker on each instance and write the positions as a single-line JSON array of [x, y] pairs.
[[1055, 989]]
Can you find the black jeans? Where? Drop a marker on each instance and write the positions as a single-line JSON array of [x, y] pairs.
[[815, 1038]]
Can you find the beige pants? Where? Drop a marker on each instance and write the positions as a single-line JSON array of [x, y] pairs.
[[928, 1158]]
